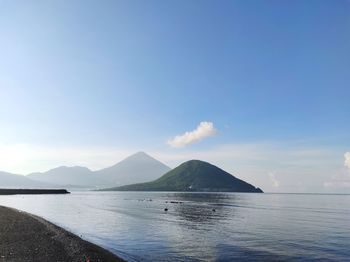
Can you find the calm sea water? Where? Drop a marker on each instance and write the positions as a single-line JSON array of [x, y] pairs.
[[252, 227]]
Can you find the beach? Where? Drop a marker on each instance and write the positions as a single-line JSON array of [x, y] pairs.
[[25, 237]]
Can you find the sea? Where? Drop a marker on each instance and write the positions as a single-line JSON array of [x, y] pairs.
[[202, 226]]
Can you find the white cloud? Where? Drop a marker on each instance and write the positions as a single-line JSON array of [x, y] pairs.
[[347, 160], [273, 179], [337, 184], [203, 130], [340, 180]]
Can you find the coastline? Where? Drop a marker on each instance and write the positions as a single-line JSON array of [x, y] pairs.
[[26, 237], [10, 191]]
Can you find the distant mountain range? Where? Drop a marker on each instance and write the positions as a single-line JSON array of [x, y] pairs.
[[134, 174], [194, 175], [68, 176], [137, 168], [8, 180]]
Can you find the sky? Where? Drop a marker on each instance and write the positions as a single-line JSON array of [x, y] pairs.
[[259, 88]]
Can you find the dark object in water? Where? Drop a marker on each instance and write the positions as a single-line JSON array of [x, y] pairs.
[[144, 199], [176, 202], [166, 209], [32, 191], [214, 210]]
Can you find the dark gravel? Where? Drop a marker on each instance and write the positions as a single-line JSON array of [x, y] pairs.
[[25, 237]]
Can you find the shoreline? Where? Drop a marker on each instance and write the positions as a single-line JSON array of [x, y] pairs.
[[26, 237], [12, 191]]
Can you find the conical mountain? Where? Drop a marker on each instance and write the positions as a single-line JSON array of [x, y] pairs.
[[194, 175], [136, 168]]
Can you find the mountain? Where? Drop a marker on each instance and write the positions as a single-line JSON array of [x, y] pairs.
[[8, 180], [194, 175], [68, 176], [137, 168]]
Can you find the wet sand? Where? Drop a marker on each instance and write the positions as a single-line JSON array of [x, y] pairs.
[[25, 237]]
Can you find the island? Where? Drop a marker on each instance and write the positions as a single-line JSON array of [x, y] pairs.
[[193, 176]]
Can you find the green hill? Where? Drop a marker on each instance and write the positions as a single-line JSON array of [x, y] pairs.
[[194, 175]]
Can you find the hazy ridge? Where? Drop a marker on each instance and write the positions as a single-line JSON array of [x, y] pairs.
[[139, 167]]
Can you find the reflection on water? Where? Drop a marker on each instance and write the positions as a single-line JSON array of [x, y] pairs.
[[202, 226]]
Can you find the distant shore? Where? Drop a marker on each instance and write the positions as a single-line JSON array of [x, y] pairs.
[[25, 237], [32, 191]]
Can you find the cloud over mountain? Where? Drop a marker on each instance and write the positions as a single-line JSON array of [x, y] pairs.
[[203, 130]]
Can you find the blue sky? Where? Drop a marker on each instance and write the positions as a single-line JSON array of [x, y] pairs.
[[104, 79]]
